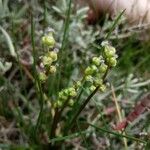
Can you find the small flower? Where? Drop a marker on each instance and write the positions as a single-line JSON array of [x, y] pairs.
[[89, 78], [98, 82], [96, 61], [78, 84], [48, 40], [94, 68], [103, 67], [109, 51], [71, 102], [53, 55], [112, 61], [52, 69], [88, 71], [92, 88], [47, 60], [72, 92], [42, 76], [102, 88]]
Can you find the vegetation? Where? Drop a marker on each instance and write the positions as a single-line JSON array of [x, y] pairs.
[[65, 84]]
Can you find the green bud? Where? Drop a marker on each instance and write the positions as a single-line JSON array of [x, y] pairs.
[[72, 92], [109, 51], [42, 77], [66, 92], [88, 71], [89, 78], [48, 40], [71, 102], [46, 60], [92, 88], [52, 69], [103, 67], [53, 55], [78, 84], [112, 62], [62, 95], [98, 82], [96, 61], [94, 68], [102, 88]]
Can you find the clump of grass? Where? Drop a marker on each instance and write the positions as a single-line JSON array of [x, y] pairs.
[[59, 96]]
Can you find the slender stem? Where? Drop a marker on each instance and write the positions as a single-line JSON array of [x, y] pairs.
[[64, 41], [54, 124], [57, 118], [37, 81]]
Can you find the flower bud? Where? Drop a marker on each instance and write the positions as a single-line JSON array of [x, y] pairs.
[[78, 84], [66, 92], [112, 61], [109, 51], [94, 68], [72, 92], [96, 61], [88, 71], [52, 69], [42, 76], [89, 78], [92, 88], [98, 82], [103, 68], [53, 55], [46, 60], [48, 40], [102, 88], [71, 102]]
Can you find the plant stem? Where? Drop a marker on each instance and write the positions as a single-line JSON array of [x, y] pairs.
[[57, 118], [36, 78]]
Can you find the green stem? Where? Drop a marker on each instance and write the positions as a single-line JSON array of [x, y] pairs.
[[37, 81]]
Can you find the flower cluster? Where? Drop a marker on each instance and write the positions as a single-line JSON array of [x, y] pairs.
[[49, 59], [67, 95], [95, 73], [109, 54], [94, 76]]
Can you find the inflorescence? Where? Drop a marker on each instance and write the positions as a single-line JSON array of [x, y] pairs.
[[98, 69], [94, 76], [48, 60]]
